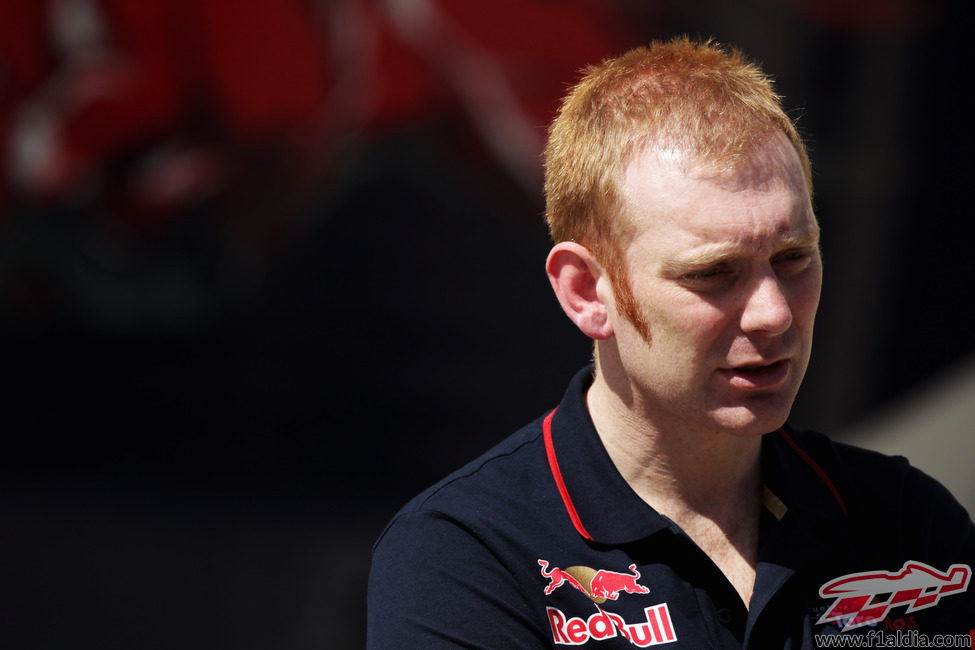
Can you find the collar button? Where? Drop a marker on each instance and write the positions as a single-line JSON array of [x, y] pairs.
[[725, 616]]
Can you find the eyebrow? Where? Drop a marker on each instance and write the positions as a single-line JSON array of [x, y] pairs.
[[712, 254]]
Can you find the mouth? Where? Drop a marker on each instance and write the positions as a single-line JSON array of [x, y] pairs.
[[757, 376]]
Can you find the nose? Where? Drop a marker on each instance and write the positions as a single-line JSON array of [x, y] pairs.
[[766, 307]]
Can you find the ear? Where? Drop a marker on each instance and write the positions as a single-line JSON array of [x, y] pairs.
[[582, 287]]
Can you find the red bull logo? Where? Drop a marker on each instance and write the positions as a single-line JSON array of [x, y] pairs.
[[866, 598], [599, 586], [657, 629]]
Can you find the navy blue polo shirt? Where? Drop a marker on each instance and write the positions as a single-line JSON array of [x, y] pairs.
[[542, 543]]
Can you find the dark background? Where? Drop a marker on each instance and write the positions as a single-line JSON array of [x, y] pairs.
[[269, 269]]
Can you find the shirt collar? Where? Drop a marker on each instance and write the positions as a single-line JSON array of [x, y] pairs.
[[604, 508], [795, 478]]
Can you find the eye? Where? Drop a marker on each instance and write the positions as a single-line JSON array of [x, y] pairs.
[[703, 273], [792, 262], [709, 277]]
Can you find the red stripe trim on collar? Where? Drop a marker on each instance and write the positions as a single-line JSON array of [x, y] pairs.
[[816, 468], [553, 465]]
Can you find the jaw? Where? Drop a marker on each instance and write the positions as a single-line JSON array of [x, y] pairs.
[[754, 414]]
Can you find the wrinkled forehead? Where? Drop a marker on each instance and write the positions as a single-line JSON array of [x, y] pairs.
[[667, 183], [772, 164], [769, 161]]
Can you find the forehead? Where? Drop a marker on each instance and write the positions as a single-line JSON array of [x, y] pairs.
[[671, 200]]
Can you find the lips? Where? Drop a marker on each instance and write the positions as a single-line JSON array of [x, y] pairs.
[[758, 376]]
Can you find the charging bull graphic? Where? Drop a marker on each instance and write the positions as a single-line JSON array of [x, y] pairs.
[[916, 585], [600, 586], [609, 584]]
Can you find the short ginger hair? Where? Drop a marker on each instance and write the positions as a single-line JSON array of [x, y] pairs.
[[697, 97]]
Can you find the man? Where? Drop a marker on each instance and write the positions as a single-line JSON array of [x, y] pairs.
[[665, 501]]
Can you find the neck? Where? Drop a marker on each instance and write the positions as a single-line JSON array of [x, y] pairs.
[[674, 468], [707, 482]]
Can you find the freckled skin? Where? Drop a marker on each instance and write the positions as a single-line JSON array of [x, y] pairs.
[[726, 271]]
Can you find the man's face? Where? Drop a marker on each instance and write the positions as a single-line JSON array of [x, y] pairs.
[[726, 274]]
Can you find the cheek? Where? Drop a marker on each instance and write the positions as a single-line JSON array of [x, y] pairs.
[[693, 324], [805, 300]]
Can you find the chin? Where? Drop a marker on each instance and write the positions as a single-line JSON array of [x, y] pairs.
[[748, 421], [757, 415]]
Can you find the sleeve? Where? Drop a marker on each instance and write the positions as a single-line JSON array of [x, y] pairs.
[[941, 533], [904, 516], [434, 584]]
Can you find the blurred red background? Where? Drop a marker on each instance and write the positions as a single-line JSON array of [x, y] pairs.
[[267, 269]]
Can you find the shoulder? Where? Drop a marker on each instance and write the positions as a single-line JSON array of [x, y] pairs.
[[451, 552], [871, 474], [901, 520], [475, 489], [887, 493]]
